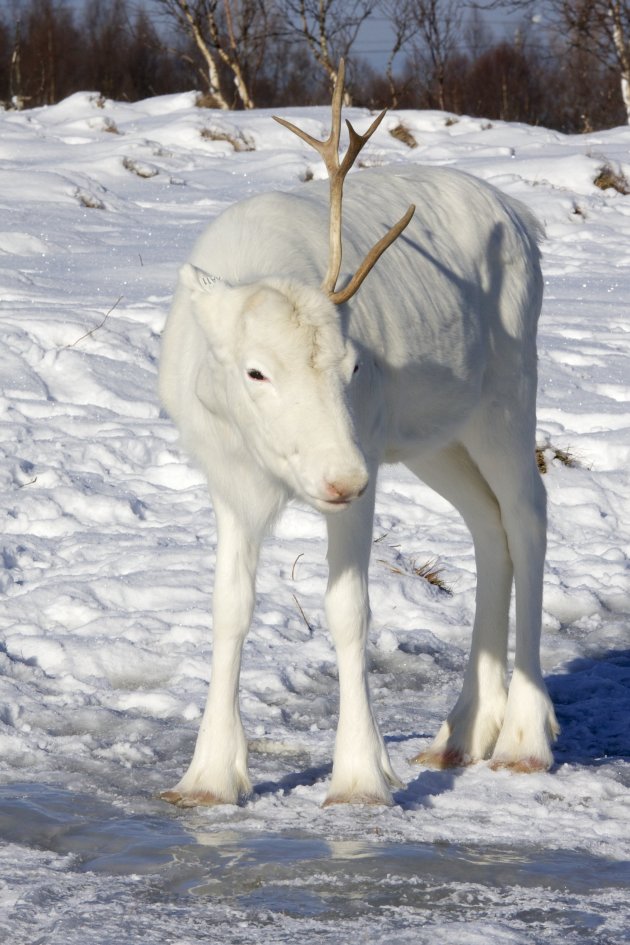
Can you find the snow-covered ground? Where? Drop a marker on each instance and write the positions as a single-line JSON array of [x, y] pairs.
[[108, 552]]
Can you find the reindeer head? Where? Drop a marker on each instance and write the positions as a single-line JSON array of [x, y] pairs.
[[284, 373]]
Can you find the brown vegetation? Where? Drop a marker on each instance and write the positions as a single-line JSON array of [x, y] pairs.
[[608, 177], [545, 455], [50, 49]]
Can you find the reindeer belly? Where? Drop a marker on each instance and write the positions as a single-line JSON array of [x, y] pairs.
[[427, 407], [432, 360]]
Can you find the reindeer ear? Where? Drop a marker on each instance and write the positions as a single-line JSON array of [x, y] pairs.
[[197, 280], [215, 307]]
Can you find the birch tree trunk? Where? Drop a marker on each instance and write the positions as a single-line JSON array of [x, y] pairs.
[[189, 19], [600, 28], [220, 34], [621, 41], [229, 53], [330, 28]]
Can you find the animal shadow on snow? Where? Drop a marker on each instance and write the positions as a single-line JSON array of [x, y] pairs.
[[592, 701], [288, 782], [429, 783]]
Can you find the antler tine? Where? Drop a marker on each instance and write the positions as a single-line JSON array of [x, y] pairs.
[[314, 142], [337, 102], [358, 141], [335, 176], [337, 171], [329, 148], [329, 152], [372, 258]]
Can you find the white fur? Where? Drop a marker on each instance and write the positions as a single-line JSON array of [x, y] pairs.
[[443, 331]]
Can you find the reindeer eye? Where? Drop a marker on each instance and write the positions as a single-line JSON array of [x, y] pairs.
[[256, 375]]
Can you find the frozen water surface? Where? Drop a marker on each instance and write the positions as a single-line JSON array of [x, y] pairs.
[[108, 551], [135, 876]]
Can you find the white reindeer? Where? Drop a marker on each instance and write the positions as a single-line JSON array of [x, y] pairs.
[[283, 389]]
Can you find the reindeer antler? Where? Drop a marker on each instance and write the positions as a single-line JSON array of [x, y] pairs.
[[329, 151]]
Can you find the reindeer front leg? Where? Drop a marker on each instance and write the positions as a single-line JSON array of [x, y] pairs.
[[362, 773], [218, 770]]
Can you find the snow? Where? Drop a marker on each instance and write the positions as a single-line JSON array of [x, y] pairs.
[[108, 551]]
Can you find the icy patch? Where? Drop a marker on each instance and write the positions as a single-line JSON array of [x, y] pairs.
[[160, 874]]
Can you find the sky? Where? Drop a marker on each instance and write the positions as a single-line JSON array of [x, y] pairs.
[[375, 39]]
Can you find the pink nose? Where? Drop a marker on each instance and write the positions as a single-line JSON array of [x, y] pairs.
[[340, 491]]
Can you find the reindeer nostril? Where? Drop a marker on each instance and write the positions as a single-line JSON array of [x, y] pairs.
[[344, 491], [334, 491]]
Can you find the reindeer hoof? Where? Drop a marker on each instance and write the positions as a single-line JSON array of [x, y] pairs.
[[365, 800], [193, 799], [448, 758], [520, 765]]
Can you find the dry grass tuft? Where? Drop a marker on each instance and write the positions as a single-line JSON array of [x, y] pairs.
[[140, 169], [402, 133], [89, 200], [239, 141], [545, 455], [431, 573], [307, 623], [428, 571], [610, 179], [110, 126], [206, 100]]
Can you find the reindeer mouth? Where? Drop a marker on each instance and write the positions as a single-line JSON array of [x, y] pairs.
[[334, 504], [340, 503], [327, 505]]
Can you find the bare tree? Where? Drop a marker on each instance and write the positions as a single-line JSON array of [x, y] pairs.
[[189, 18], [600, 28], [228, 33], [151, 68], [330, 28], [506, 82], [14, 83], [478, 36], [436, 31], [105, 33], [398, 12], [42, 67]]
